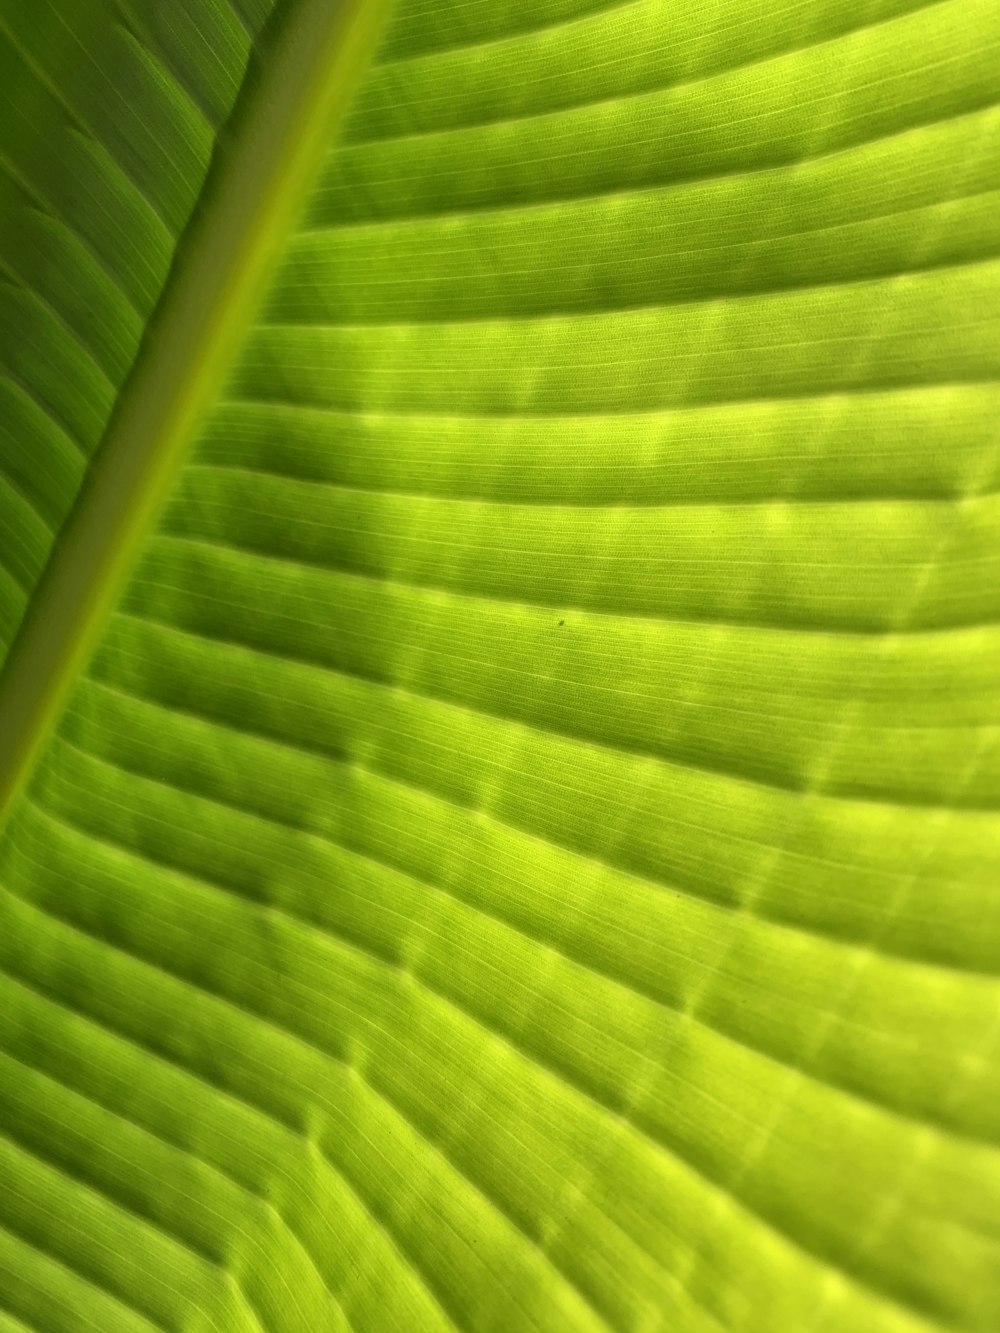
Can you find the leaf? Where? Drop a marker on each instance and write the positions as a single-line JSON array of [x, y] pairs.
[[502, 823]]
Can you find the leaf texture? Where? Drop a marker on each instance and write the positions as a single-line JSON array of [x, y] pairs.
[[110, 113], [524, 853]]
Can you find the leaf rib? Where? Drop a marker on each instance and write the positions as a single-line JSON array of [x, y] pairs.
[[281, 130]]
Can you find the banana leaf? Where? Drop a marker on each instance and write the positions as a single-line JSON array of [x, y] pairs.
[[499, 729]]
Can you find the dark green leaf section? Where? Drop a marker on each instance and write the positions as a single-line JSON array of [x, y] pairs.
[[525, 853], [109, 114]]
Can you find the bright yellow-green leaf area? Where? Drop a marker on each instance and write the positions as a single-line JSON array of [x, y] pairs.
[[500, 724]]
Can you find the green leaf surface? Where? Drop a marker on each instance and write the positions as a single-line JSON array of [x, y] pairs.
[[501, 821]]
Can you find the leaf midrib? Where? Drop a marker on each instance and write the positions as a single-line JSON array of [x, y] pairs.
[[265, 160]]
